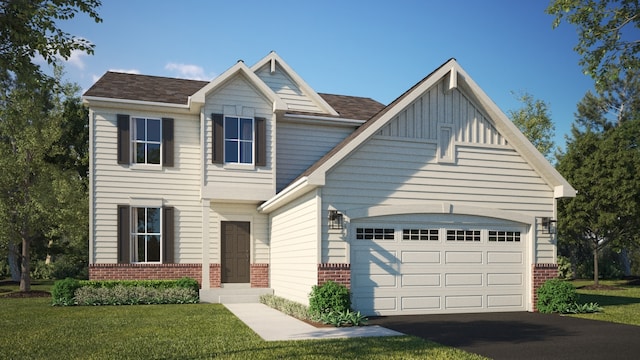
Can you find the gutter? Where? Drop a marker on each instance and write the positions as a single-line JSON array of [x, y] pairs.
[[293, 191]]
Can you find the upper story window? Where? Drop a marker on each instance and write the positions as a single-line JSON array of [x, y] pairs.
[[238, 140], [144, 140], [147, 141]]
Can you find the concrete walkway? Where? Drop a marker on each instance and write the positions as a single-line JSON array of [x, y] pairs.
[[272, 325]]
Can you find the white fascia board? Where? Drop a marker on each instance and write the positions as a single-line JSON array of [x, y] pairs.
[[517, 139], [308, 90], [93, 101], [322, 119], [240, 68], [291, 192]]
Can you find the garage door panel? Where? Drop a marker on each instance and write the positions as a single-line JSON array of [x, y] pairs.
[[383, 280], [463, 257], [463, 301], [420, 257], [497, 279], [505, 301], [421, 303], [409, 280], [468, 279], [505, 257]]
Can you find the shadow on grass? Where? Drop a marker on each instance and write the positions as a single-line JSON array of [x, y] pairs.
[[607, 300]]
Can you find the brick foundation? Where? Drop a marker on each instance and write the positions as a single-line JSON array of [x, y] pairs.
[[259, 274], [215, 276], [542, 273], [145, 272], [340, 273]]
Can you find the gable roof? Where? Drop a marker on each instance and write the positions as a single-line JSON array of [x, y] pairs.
[[314, 176], [157, 89]]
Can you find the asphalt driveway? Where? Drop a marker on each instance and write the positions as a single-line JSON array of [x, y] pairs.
[[522, 335]]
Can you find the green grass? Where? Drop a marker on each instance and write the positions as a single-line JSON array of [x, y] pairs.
[[31, 328], [620, 306]]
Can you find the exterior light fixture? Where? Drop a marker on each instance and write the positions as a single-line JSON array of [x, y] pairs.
[[335, 220], [548, 225]]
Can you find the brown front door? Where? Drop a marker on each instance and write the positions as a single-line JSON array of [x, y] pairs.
[[235, 251]]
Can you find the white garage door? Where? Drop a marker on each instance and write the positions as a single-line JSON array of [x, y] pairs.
[[402, 270]]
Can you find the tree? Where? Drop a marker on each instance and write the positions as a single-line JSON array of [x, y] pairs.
[[603, 166], [29, 28], [535, 123], [607, 35]]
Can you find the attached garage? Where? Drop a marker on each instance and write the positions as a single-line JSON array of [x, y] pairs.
[[439, 264]]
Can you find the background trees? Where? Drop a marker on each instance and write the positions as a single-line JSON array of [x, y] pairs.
[[43, 134]]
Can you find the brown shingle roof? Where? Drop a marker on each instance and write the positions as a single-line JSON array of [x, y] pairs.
[[145, 88], [125, 86]]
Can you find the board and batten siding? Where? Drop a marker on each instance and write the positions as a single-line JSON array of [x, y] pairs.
[[294, 248], [223, 182], [114, 184], [287, 89], [239, 212], [300, 145]]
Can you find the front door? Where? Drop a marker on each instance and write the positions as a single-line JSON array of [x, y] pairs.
[[235, 251]]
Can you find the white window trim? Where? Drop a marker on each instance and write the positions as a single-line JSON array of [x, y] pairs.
[[134, 236], [240, 165], [143, 166]]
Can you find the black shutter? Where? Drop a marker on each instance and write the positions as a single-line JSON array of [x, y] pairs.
[[124, 139], [124, 234], [168, 234], [217, 148], [167, 142], [261, 142]]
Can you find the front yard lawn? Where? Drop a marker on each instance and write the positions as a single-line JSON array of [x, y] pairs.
[[31, 328], [621, 305]]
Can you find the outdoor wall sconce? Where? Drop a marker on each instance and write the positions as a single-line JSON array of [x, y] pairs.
[[335, 220], [548, 225]]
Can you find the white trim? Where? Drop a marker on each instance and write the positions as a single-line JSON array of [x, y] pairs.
[[86, 99], [314, 119], [92, 200], [146, 202], [291, 192]]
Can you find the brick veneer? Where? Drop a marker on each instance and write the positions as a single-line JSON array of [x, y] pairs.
[[340, 273], [542, 273], [215, 276], [259, 274], [145, 272]]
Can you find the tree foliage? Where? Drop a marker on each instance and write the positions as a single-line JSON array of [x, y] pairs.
[[29, 28], [534, 121], [607, 35]]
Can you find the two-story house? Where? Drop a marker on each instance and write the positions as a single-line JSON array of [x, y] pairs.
[[435, 203]]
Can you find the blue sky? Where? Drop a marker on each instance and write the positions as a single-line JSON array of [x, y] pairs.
[[375, 49]]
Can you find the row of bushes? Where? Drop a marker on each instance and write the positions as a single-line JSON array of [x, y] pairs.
[[124, 292]]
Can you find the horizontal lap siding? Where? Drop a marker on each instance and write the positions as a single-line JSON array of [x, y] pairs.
[[238, 92], [177, 186], [294, 248], [297, 151], [387, 172]]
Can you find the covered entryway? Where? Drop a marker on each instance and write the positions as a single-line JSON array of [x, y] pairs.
[[235, 252], [445, 264]]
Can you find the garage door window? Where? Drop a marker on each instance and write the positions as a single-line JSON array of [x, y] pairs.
[[420, 234], [375, 234], [463, 235], [504, 236]]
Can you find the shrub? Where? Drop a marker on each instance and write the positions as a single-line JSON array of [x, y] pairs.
[[564, 268], [329, 297], [125, 292], [343, 318], [63, 292], [286, 306], [555, 295]]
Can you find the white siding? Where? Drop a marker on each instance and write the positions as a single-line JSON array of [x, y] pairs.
[[287, 89], [228, 182], [421, 118], [177, 186], [294, 248], [391, 172], [301, 144], [239, 212]]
